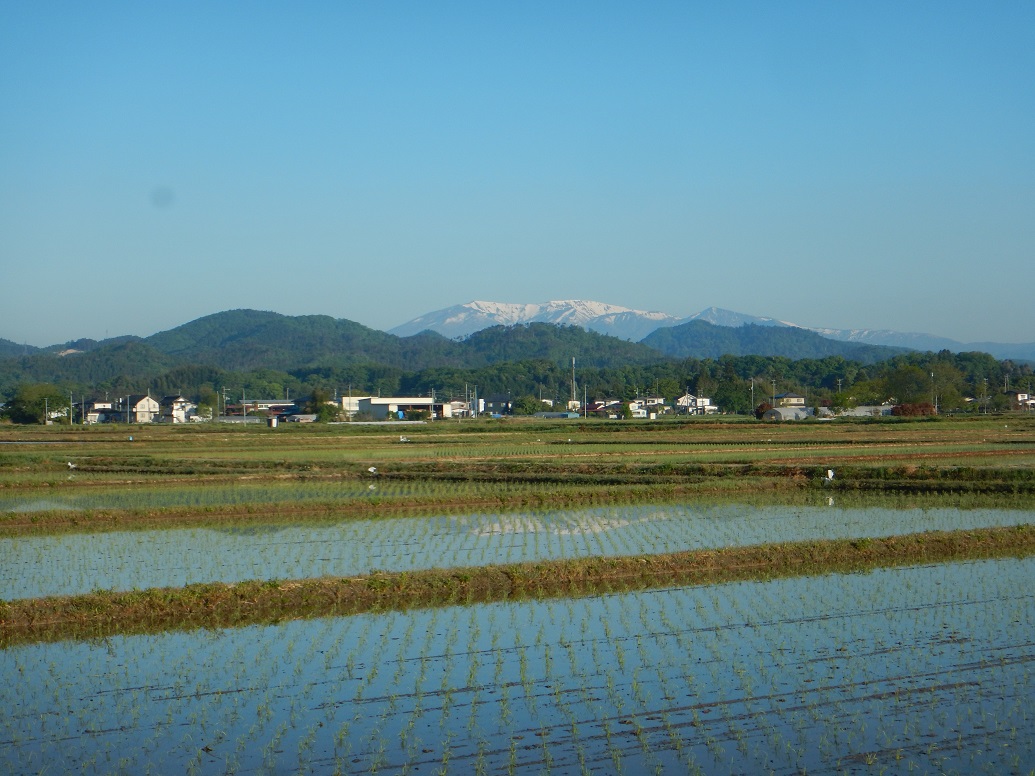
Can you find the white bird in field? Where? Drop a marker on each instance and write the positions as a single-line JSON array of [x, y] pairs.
[[372, 470], [404, 439], [71, 465], [830, 476]]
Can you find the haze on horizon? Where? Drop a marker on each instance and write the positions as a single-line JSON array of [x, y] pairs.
[[839, 166]]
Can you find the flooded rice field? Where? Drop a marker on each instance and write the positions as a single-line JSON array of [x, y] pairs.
[[925, 669], [69, 564]]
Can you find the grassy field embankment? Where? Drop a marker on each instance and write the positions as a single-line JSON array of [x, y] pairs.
[[101, 614]]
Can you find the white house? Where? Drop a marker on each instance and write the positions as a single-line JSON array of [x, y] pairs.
[[380, 408], [176, 409], [98, 411], [138, 409], [688, 404]]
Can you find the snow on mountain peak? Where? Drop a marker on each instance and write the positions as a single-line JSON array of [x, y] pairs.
[[465, 319]]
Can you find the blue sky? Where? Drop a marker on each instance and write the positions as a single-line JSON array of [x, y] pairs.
[[863, 165]]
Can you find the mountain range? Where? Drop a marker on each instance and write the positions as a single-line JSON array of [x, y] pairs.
[[636, 325], [480, 335]]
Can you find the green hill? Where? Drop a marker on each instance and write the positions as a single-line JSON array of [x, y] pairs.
[[10, 349], [700, 339], [251, 340]]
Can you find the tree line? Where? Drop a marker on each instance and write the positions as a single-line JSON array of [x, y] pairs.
[[737, 384]]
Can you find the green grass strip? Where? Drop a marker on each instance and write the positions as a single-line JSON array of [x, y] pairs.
[[216, 605]]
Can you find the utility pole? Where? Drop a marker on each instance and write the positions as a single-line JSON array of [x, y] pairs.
[[574, 396]]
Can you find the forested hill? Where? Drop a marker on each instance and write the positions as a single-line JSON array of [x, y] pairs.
[[700, 339], [9, 349], [250, 340]]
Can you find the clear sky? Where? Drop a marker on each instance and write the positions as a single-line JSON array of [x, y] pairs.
[[852, 165]]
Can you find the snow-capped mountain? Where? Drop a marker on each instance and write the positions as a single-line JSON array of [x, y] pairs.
[[720, 317], [462, 320], [628, 324]]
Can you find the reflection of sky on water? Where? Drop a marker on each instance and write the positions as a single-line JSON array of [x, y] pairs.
[[41, 506], [76, 563], [925, 669]]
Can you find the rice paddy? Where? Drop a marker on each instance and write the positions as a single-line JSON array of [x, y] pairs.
[[39, 566], [923, 667]]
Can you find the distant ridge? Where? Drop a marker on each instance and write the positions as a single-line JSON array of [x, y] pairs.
[[700, 339], [636, 325]]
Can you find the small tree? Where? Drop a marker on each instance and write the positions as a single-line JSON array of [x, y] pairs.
[[528, 405], [319, 399], [328, 413], [762, 409], [843, 401]]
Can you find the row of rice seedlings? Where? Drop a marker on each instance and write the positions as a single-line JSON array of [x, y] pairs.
[[757, 676], [224, 495], [71, 564]]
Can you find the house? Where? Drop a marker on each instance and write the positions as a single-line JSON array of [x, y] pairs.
[[380, 408], [499, 404], [175, 409], [98, 411], [460, 409], [137, 409], [789, 400], [608, 408], [1021, 400], [270, 406], [688, 404], [652, 403]]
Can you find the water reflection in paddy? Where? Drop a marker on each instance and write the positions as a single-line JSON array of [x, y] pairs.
[[923, 669], [70, 564]]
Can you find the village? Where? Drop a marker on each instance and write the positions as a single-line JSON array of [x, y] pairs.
[[176, 409], [144, 408]]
